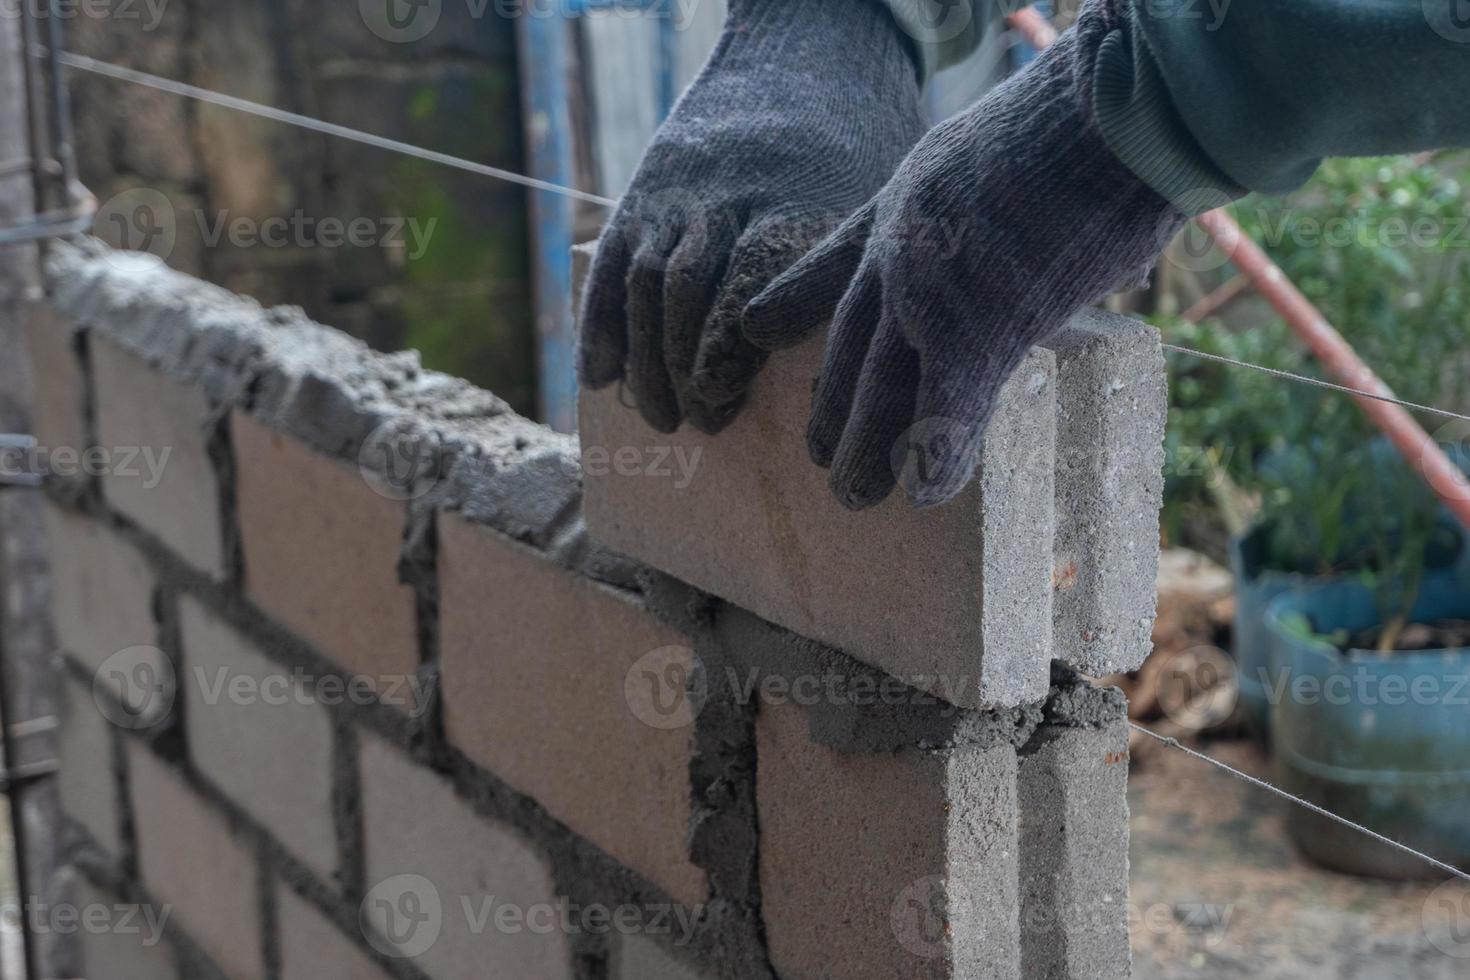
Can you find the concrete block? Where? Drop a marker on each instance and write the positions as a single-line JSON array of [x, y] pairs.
[[155, 432], [536, 667], [638, 957], [102, 607], [121, 940], [321, 553], [1112, 407], [1073, 790], [88, 789], [190, 860], [58, 388], [960, 592], [259, 734], [314, 949], [477, 888], [886, 866]]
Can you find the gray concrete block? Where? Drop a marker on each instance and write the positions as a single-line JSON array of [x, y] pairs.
[[474, 887], [1073, 792], [1112, 407], [156, 432], [886, 866], [191, 860], [955, 599], [258, 733]]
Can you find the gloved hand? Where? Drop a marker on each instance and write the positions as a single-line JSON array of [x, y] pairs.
[[999, 226], [803, 111]]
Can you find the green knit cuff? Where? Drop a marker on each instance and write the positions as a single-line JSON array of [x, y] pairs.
[[1144, 130]]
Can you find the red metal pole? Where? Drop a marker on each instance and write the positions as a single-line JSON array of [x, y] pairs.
[[1326, 344]]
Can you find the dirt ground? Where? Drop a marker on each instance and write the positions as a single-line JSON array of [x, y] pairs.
[[1219, 892]]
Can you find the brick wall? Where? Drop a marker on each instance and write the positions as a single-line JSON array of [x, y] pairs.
[[351, 690]]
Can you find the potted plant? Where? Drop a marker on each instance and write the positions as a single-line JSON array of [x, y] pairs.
[[1371, 719]]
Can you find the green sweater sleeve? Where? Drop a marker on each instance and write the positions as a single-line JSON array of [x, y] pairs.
[[1250, 95], [1210, 99]]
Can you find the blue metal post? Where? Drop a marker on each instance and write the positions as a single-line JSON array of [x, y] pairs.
[[544, 61]]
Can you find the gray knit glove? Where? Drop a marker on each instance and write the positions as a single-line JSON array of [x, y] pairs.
[[803, 111], [999, 226]]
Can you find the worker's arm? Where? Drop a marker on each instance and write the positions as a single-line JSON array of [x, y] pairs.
[[1238, 95]]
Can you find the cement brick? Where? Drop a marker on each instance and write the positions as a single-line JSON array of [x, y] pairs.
[[102, 607], [260, 735], [638, 957], [121, 940], [536, 663], [58, 389], [88, 789], [159, 473], [1112, 407], [312, 948], [894, 866], [468, 874], [321, 553], [190, 859], [1073, 790], [961, 591]]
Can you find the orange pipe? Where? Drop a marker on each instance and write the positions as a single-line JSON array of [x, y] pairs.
[[1324, 341]]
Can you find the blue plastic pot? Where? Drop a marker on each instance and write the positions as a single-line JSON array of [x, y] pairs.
[[1381, 739]]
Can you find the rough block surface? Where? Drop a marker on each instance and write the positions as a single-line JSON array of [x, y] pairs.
[[191, 860], [259, 735], [321, 552], [155, 432], [960, 592], [1112, 407], [538, 665], [886, 866], [424, 843], [1073, 790]]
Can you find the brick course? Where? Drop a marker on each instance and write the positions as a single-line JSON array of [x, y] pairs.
[[88, 790], [260, 735], [191, 860], [314, 949], [537, 663], [321, 552], [156, 432], [424, 842]]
